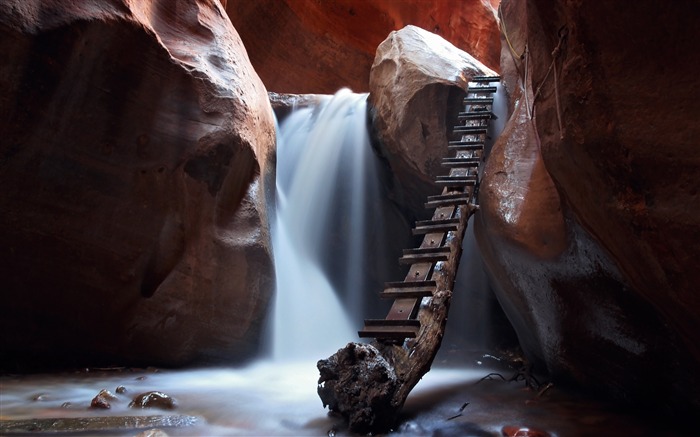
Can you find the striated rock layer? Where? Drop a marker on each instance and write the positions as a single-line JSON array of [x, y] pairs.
[[322, 46], [135, 160], [417, 84], [590, 221]]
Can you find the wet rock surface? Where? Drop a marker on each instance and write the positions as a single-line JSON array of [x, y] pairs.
[[320, 47], [103, 400], [153, 399], [417, 83], [586, 226], [136, 153]]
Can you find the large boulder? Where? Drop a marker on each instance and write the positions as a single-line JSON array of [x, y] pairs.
[[135, 160], [589, 226], [322, 46], [417, 84]]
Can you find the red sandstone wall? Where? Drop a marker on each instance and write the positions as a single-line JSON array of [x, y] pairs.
[[310, 46], [591, 231]]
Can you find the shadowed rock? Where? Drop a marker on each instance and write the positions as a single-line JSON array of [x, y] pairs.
[[589, 228], [135, 156]]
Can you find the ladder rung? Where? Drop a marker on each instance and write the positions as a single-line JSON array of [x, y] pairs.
[[477, 101], [451, 178], [461, 162], [409, 284], [466, 145], [482, 89], [428, 250], [470, 129], [415, 293], [478, 115], [393, 332], [428, 226], [421, 255], [455, 182], [435, 203], [393, 322], [485, 79]]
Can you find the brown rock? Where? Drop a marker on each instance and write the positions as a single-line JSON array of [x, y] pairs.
[[591, 237], [416, 75], [135, 156], [153, 399], [320, 47], [102, 400]]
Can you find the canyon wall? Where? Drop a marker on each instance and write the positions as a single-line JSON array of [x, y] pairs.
[[320, 47], [136, 158], [590, 219]]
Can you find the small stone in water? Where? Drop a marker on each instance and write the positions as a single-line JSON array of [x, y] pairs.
[[66, 405], [153, 399], [121, 389], [40, 397], [102, 399]]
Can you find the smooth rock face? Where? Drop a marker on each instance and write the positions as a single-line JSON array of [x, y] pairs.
[[320, 47], [417, 85], [591, 238], [135, 160]]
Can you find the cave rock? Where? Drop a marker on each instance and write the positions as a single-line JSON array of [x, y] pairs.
[[135, 160], [322, 46], [589, 220]]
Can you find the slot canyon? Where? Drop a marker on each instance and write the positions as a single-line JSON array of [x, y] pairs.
[[204, 198]]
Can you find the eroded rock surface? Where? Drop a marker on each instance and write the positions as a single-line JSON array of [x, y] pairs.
[[590, 231], [320, 47], [417, 85], [360, 383], [135, 156]]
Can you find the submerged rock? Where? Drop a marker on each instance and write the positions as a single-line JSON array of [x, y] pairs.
[[136, 156], [417, 84]]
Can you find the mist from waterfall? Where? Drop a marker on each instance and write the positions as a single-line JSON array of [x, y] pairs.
[[326, 178]]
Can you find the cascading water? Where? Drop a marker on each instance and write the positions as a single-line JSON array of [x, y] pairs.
[[326, 174]]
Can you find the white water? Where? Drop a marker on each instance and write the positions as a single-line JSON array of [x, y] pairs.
[[265, 399], [324, 166]]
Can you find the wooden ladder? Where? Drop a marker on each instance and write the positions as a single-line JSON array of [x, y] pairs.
[[459, 188]]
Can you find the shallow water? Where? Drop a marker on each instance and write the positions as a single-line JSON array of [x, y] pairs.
[[279, 399]]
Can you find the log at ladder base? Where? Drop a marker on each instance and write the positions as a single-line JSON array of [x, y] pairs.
[[369, 383]]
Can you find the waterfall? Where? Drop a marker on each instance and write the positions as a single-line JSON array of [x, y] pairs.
[[326, 175]]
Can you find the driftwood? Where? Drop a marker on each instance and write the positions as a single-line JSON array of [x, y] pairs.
[[369, 383]]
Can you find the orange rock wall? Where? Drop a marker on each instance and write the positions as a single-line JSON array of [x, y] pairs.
[[590, 231], [307, 46]]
